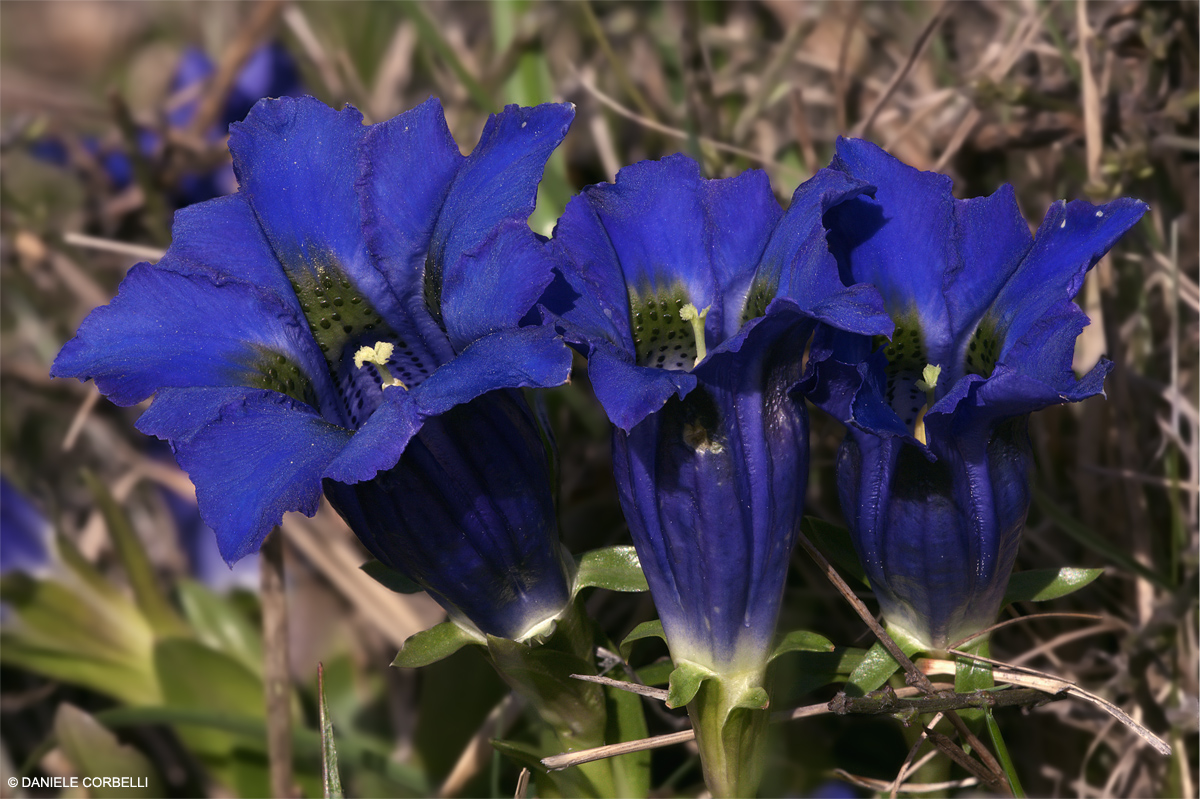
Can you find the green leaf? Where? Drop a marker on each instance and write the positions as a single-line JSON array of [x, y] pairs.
[[524, 754], [195, 676], [685, 682], [801, 641], [218, 622], [542, 674], [614, 568], [626, 721], [656, 673], [874, 670], [1068, 524], [390, 578], [430, 646], [1006, 762], [71, 632], [146, 592], [835, 543], [647, 629], [96, 752], [973, 675], [1038, 585], [364, 753], [329, 764]]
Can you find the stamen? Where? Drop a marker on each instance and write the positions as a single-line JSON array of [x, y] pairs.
[[378, 357], [688, 313], [927, 383]]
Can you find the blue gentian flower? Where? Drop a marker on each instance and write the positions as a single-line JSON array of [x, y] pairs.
[[349, 318], [695, 301], [269, 71], [933, 473], [25, 533]]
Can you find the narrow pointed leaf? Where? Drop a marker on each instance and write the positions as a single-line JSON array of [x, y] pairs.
[[647, 629], [329, 762], [1006, 762], [615, 568], [432, 645], [1039, 585], [146, 592]]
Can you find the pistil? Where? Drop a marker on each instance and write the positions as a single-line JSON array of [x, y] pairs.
[[378, 356], [927, 383], [688, 313]]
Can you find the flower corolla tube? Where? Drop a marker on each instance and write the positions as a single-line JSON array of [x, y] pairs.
[[349, 320], [933, 475]]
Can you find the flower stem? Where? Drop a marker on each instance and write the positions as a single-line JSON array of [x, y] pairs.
[[730, 717]]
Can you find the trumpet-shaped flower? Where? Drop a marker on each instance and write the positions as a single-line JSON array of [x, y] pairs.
[[346, 239], [695, 299], [933, 473]]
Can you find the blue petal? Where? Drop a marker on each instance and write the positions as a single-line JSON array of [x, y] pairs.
[[742, 214], [1071, 239], [656, 225], [165, 329], [630, 393], [902, 240], [531, 357], [223, 238], [712, 487], [263, 457], [297, 161], [499, 179], [468, 513], [407, 167], [797, 263], [589, 265], [992, 238], [937, 539], [494, 286], [177, 414]]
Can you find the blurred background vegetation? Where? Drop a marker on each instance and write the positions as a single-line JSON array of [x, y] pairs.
[[123, 615]]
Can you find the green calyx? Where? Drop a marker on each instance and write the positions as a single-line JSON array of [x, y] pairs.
[[729, 714]]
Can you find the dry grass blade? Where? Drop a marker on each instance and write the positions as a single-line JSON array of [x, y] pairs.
[[1048, 683], [478, 751], [587, 84], [632, 687], [864, 127], [881, 786], [255, 30], [111, 245]]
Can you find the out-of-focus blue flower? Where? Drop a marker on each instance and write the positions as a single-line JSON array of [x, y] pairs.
[[268, 72], [933, 474], [24, 532], [364, 281], [695, 300]]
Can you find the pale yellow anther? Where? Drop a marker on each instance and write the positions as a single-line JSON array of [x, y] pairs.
[[688, 313], [378, 357]]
